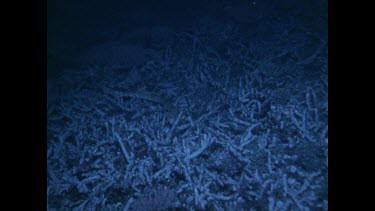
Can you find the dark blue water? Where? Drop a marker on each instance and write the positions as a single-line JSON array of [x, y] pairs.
[[187, 105]]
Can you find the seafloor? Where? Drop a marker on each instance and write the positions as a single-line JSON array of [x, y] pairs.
[[216, 106]]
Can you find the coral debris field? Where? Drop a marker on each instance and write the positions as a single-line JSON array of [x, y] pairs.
[[219, 115]]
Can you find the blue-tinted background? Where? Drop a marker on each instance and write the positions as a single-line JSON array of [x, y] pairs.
[[187, 105]]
